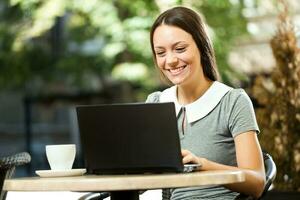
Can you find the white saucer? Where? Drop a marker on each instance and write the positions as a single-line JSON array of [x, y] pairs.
[[58, 173]]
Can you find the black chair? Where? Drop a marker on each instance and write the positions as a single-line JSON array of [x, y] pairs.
[[270, 169], [7, 168], [95, 196], [98, 195]]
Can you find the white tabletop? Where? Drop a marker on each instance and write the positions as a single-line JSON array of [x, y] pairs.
[[124, 182]]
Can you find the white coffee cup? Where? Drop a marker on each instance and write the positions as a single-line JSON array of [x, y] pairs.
[[61, 156]]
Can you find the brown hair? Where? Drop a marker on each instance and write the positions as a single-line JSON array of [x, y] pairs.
[[189, 21]]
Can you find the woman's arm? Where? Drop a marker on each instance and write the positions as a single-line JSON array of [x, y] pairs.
[[249, 159]]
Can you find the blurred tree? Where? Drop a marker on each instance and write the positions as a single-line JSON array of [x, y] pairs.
[[228, 26], [67, 41], [80, 42], [279, 117]]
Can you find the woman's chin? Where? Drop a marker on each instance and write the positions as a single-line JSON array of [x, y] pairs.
[[177, 81]]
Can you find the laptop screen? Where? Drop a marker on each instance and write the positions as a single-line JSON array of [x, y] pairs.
[[129, 138]]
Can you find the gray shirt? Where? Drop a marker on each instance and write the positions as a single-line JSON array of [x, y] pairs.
[[224, 113]]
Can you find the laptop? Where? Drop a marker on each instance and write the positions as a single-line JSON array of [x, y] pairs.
[[130, 138]]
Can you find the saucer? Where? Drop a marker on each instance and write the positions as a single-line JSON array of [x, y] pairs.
[[58, 173]]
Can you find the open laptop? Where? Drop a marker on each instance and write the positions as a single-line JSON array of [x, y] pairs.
[[130, 138]]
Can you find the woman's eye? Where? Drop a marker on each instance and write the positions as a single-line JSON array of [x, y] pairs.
[[180, 49], [160, 53]]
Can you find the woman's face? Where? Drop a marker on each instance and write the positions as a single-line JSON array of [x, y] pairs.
[[177, 54]]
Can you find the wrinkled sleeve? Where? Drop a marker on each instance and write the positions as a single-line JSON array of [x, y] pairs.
[[242, 116], [153, 97]]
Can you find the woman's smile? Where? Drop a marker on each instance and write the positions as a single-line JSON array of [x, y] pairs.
[[177, 71], [177, 55]]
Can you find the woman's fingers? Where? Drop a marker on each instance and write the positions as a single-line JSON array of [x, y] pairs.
[[185, 152], [188, 157]]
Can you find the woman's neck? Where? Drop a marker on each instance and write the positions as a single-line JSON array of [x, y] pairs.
[[187, 94]]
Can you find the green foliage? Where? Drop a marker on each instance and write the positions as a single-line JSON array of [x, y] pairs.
[[65, 40], [62, 39], [228, 24]]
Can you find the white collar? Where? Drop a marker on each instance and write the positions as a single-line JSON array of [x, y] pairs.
[[202, 106]]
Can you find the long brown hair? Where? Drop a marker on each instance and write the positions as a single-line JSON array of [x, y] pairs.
[[189, 21]]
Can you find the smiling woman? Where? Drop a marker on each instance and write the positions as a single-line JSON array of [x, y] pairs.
[[217, 124], [176, 54]]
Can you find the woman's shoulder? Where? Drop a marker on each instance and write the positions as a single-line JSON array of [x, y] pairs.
[[237, 95], [166, 95], [153, 97]]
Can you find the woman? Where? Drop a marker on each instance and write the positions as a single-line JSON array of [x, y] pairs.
[[217, 123]]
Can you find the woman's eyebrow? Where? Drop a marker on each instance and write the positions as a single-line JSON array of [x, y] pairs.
[[158, 47], [179, 42], [176, 43]]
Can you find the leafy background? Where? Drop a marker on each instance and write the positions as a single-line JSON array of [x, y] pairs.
[[73, 47], [50, 42]]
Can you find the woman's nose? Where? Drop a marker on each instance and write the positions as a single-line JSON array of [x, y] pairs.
[[171, 59]]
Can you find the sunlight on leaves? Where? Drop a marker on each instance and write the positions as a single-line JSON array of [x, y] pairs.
[[112, 49], [86, 6], [25, 4], [130, 71], [76, 21], [138, 22], [46, 15], [139, 41], [44, 19], [104, 15]]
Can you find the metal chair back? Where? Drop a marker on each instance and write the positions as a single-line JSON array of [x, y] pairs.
[[7, 168]]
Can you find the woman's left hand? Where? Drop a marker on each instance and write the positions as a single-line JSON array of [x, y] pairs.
[[189, 157]]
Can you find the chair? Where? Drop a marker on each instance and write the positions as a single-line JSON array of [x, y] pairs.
[[270, 169], [94, 196], [7, 168], [98, 196]]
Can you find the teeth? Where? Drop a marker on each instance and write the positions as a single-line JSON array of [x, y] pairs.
[[176, 70]]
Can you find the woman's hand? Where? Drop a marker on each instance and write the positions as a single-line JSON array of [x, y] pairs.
[[249, 160], [189, 157]]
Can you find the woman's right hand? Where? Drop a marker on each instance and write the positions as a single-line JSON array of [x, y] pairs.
[[189, 157]]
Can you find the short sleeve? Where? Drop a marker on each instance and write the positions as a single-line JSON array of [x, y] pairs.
[[242, 116], [153, 97]]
